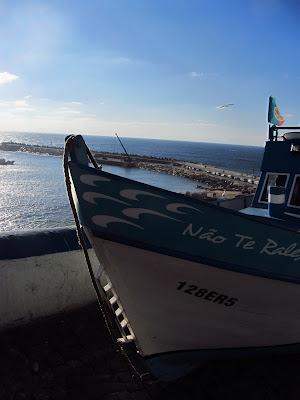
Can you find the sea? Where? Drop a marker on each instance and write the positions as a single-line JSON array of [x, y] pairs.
[[33, 194]]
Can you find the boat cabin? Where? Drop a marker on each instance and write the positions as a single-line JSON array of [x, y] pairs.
[[279, 185]]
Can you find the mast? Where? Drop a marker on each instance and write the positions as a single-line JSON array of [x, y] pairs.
[[128, 156]]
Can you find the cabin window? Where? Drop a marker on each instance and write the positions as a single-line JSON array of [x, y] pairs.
[[272, 179], [294, 200], [295, 148]]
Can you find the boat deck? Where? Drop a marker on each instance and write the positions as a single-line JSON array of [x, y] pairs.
[[72, 357]]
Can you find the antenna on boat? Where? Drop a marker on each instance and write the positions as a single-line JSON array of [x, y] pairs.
[[128, 156]]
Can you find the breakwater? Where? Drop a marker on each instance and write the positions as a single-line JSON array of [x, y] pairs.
[[101, 156], [214, 181]]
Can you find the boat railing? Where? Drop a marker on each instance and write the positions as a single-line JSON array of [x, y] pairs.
[[273, 132]]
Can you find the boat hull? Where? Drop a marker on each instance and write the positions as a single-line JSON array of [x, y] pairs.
[[184, 276], [142, 216], [177, 305]]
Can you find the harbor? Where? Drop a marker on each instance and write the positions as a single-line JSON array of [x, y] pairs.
[[214, 182]]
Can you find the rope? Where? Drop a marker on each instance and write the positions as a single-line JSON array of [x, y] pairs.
[[81, 239], [79, 231], [91, 157]]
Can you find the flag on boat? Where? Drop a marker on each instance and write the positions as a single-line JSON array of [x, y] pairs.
[[274, 116]]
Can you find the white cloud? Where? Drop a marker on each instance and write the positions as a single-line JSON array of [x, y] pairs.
[[206, 124], [20, 103], [7, 77], [194, 74], [66, 110], [69, 112], [202, 75], [16, 105]]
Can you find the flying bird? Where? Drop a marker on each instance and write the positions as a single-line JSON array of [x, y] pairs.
[[223, 106]]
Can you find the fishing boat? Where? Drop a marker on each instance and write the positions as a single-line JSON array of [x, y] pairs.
[[6, 162], [185, 280]]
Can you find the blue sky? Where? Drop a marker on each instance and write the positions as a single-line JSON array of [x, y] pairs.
[[157, 68]]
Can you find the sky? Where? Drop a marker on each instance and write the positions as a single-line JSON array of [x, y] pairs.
[[149, 68]]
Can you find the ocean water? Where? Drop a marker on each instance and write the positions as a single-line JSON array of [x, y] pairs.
[[33, 195]]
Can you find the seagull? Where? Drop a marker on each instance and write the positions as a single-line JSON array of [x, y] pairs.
[[223, 106]]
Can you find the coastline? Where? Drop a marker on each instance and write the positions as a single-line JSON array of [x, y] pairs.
[[215, 182]]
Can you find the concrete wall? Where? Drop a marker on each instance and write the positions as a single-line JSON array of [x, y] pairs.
[[40, 286]]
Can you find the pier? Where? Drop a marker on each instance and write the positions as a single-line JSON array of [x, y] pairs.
[[213, 180]]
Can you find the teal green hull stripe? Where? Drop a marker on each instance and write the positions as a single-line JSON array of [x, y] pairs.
[[147, 217]]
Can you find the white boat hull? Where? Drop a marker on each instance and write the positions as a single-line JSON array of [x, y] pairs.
[[177, 305]]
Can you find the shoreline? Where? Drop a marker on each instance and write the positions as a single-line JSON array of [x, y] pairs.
[[215, 182]]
